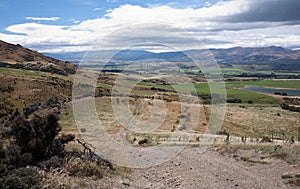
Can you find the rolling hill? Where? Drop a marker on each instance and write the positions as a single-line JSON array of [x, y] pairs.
[[16, 56]]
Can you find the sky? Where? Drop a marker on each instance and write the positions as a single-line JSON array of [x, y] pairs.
[[82, 25]]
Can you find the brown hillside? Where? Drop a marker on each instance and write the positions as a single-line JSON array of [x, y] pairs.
[[16, 56]]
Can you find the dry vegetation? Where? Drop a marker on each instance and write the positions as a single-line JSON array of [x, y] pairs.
[[16, 56], [20, 88], [33, 154], [259, 121]]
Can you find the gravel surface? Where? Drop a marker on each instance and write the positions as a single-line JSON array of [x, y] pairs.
[[192, 169]]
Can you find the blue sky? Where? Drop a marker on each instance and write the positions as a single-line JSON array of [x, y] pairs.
[[16, 11], [73, 25]]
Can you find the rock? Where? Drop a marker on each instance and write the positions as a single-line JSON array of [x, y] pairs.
[[181, 127], [125, 182]]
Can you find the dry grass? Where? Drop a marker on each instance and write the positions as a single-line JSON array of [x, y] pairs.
[[143, 109], [74, 172], [29, 90], [256, 121], [67, 121], [288, 153]]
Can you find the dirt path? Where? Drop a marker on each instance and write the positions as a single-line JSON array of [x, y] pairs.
[[192, 170]]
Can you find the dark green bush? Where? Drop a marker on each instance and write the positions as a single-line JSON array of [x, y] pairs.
[[250, 101], [21, 178], [51, 163], [234, 100], [35, 135]]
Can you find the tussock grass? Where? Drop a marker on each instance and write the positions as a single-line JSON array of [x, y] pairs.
[[288, 153]]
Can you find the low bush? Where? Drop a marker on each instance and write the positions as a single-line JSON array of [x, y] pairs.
[[83, 168], [234, 100], [33, 140], [143, 141], [34, 136], [21, 178]]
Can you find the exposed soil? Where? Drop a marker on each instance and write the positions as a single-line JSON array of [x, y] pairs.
[[192, 169]]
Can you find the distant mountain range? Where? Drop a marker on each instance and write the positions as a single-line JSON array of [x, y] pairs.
[[272, 57], [16, 56]]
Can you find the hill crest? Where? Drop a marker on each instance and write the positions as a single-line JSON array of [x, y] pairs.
[[16, 56]]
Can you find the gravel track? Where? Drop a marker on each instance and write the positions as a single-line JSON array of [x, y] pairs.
[[192, 169]]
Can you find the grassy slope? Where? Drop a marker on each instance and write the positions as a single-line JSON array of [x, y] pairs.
[[29, 88], [30, 74]]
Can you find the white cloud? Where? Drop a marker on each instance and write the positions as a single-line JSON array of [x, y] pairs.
[[111, 1], [97, 9], [42, 18], [45, 36], [206, 23], [207, 4], [75, 21]]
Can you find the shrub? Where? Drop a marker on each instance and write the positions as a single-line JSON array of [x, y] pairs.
[[20, 178], [206, 98], [250, 101], [280, 93], [143, 141], [265, 139], [35, 135], [30, 139], [286, 176], [83, 168], [234, 100], [52, 163]]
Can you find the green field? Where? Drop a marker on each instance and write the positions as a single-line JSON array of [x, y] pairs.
[[201, 88], [244, 96], [234, 93], [293, 84]]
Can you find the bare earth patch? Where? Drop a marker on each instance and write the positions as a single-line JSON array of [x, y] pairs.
[[192, 169]]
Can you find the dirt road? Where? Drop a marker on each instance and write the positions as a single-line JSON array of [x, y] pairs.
[[192, 169]]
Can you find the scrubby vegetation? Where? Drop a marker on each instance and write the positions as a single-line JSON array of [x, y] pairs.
[[34, 150], [286, 152], [31, 143], [290, 107], [292, 178]]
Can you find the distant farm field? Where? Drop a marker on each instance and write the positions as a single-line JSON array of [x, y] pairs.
[[234, 93], [293, 84]]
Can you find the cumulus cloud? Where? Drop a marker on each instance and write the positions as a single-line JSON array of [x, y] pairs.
[[42, 18], [268, 11], [34, 34], [220, 25]]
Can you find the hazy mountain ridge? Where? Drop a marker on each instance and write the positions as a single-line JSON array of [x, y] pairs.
[[255, 55], [16, 56], [273, 57]]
